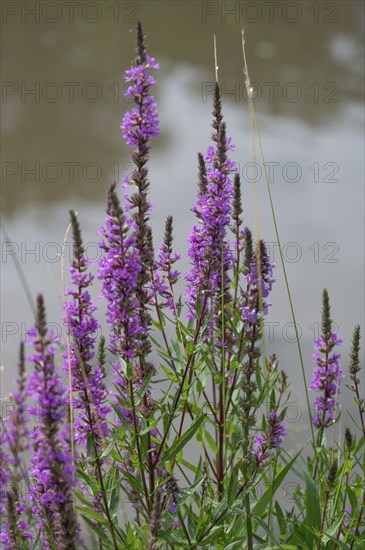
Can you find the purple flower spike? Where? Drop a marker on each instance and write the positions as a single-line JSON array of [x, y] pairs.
[[141, 123], [327, 373], [271, 439], [87, 381], [119, 269], [209, 252]]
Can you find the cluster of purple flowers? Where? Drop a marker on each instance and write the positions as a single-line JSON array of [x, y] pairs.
[[209, 252], [141, 122], [119, 268], [272, 438], [326, 378]]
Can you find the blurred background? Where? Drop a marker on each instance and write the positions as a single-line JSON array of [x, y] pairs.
[[62, 105]]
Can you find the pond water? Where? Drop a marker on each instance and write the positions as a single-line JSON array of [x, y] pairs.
[[62, 147]]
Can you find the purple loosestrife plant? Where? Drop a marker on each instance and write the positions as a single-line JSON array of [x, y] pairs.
[[327, 374], [90, 392], [52, 469], [128, 265]]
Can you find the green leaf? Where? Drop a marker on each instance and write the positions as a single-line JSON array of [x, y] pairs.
[[353, 498], [185, 494], [183, 440], [331, 531], [91, 483], [174, 538], [133, 481], [116, 436], [91, 445], [98, 531], [92, 515], [232, 487], [235, 545], [281, 519], [158, 325], [210, 440], [313, 510], [129, 373], [187, 464], [213, 533], [189, 347]]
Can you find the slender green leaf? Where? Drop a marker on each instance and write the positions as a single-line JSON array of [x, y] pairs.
[[313, 510], [183, 440]]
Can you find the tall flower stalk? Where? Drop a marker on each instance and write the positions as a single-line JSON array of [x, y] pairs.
[[127, 266], [211, 257], [87, 383], [327, 373], [139, 125], [88, 389], [258, 271]]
